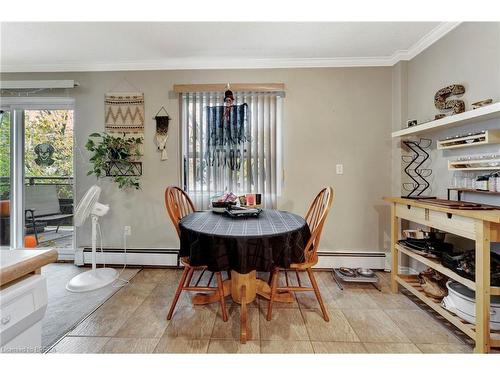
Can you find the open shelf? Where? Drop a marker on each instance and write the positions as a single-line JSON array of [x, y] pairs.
[[436, 265], [476, 115], [485, 138], [474, 165], [411, 283], [464, 190]]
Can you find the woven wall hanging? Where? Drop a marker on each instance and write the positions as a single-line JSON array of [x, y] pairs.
[[124, 112], [162, 132]]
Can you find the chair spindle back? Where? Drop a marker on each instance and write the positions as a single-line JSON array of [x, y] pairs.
[[315, 218], [178, 205]]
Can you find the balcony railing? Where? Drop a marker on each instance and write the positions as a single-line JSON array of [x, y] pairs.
[[41, 180]]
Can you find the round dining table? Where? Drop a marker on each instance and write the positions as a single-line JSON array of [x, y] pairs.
[[243, 246]]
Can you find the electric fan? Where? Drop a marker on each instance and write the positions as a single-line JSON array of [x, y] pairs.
[[96, 277]]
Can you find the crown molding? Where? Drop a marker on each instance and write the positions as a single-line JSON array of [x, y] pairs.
[[423, 43], [240, 63], [196, 63]]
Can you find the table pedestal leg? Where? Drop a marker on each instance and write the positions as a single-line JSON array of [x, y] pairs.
[[243, 315], [243, 288], [240, 280], [212, 297], [259, 287], [264, 290], [243, 291]]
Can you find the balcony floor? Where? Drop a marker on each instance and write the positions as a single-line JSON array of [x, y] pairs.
[[62, 239]]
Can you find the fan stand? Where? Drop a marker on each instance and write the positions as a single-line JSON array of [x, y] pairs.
[[95, 278]]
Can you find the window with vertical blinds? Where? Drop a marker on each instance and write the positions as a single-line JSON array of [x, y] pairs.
[[238, 151]]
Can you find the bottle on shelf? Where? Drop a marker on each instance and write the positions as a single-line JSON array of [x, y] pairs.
[[482, 182]]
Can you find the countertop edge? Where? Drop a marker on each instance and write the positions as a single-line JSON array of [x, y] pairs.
[[485, 215], [26, 266]]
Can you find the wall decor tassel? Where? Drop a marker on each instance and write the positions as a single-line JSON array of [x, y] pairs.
[[162, 132]]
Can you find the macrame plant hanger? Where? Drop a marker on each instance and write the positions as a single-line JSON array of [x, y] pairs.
[[162, 132]]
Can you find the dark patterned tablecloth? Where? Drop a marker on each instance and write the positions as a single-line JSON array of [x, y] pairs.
[[243, 244]]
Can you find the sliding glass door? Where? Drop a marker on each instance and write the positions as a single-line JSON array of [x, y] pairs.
[[38, 184], [48, 172]]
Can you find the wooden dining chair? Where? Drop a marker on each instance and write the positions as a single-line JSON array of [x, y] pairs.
[[315, 218], [179, 205]]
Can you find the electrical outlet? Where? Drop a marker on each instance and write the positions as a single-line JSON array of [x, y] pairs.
[[127, 230], [340, 168]]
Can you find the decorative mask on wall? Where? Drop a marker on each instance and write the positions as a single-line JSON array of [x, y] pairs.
[[44, 153]]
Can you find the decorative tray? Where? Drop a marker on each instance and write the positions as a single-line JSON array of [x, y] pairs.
[[243, 212]]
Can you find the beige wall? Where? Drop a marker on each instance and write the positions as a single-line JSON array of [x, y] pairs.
[[469, 55], [330, 116]]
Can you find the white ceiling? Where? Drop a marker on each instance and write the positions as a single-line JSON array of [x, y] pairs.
[[81, 46]]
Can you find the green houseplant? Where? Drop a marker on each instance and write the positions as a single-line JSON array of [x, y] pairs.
[[116, 157]]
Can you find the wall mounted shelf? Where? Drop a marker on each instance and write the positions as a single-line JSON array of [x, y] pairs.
[[487, 137], [464, 190], [476, 115], [460, 191], [474, 165]]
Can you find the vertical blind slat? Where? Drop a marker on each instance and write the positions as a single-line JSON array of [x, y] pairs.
[[255, 141], [260, 144], [272, 150], [249, 148], [200, 143]]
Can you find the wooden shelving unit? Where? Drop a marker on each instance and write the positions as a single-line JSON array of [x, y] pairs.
[[476, 115], [491, 136], [435, 264], [480, 226], [474, 165]]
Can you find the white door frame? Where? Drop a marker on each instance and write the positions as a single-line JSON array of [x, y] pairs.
[[16, 106]]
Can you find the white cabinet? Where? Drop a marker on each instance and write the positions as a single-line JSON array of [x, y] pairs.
[[22, 307]]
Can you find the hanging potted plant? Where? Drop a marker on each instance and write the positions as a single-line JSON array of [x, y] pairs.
[[116, 157]]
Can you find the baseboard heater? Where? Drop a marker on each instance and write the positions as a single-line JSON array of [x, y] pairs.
[[170, 258], [134, 257], [336, 259]]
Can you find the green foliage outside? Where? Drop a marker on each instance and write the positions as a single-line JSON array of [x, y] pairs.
[[54, 127], [4, 155]]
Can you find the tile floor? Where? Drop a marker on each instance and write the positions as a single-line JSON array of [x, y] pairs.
[[66, 309], [362, 320]]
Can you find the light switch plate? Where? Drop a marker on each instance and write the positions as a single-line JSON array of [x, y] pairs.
[[339, 168]]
